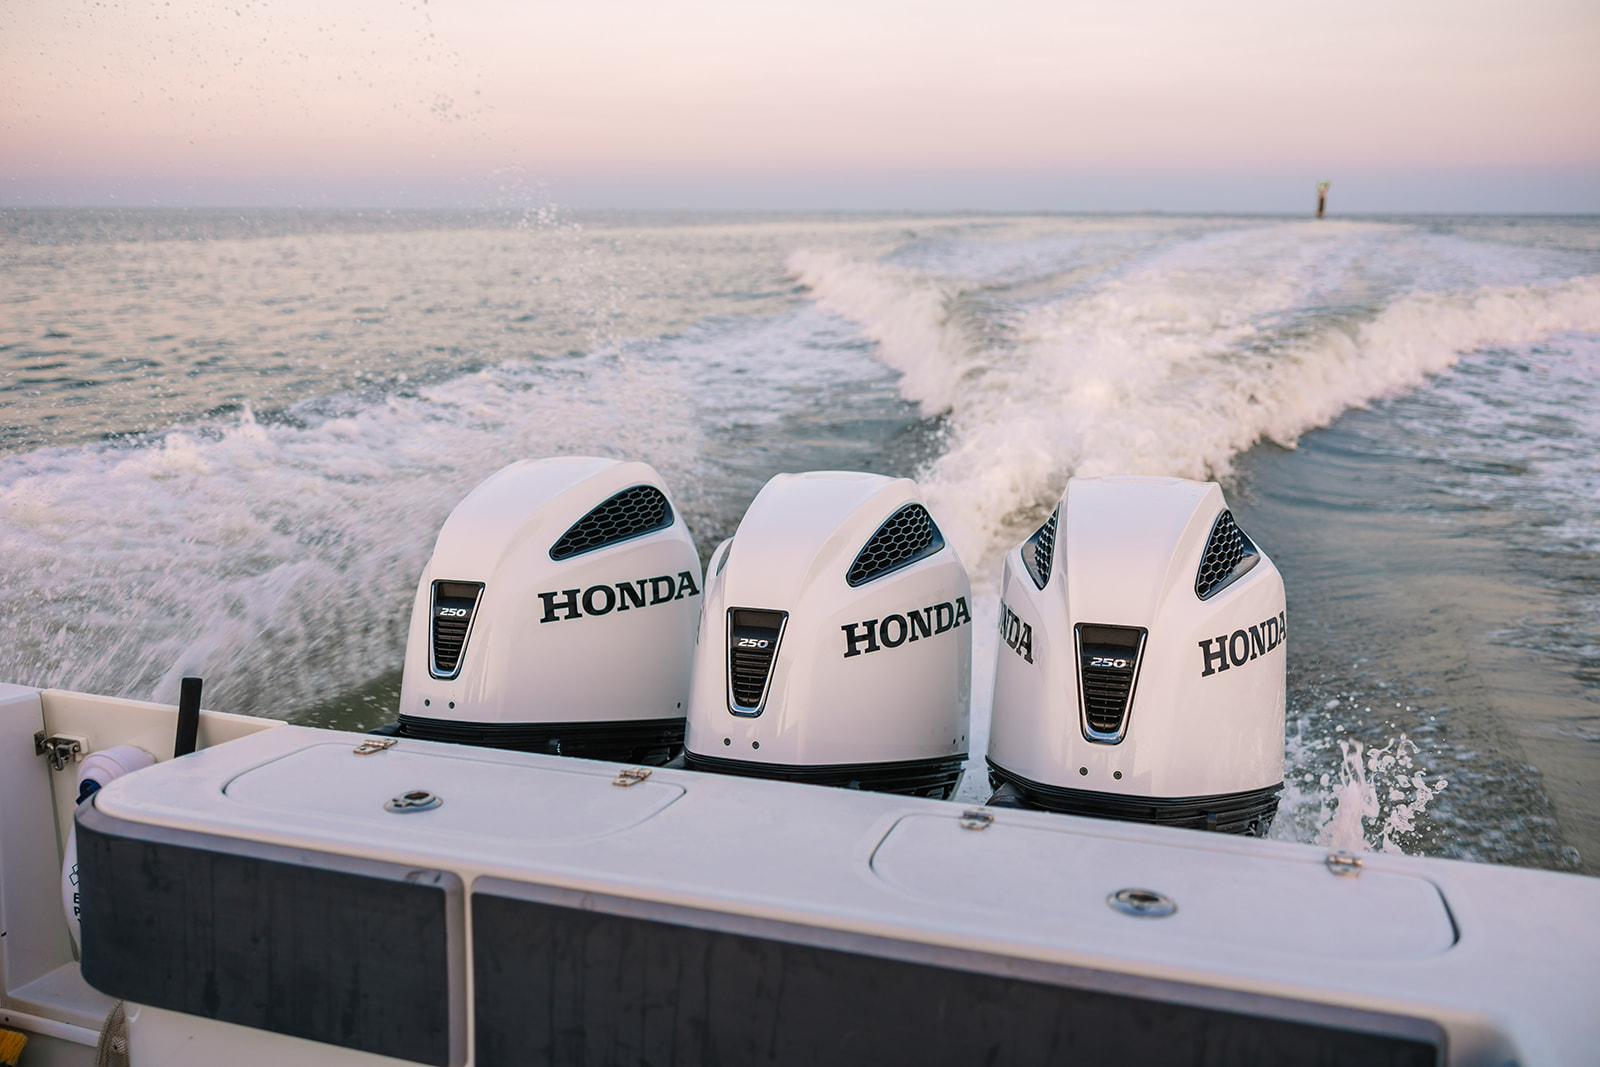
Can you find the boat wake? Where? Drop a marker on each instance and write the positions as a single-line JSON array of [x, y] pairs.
[[1173, 368]]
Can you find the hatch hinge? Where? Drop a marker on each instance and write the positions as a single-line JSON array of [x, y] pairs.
[[60, 749], [976, 819], [1344, 864]]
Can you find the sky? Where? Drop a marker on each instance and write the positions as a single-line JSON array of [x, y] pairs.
[[1235, 105]]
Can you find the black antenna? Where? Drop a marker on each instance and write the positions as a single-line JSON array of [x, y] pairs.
[[188, 718]]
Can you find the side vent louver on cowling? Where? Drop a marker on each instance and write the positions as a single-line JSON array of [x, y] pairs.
[[631, 513], [905, 537], [753, 638], [1039, 551], [454, 604], [1108, 666], [1229, 555]]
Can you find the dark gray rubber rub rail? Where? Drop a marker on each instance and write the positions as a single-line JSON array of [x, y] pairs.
[[330, 948], [569, 978]]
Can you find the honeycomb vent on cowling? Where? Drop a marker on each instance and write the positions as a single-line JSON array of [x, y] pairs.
[[1229, 554], [1039, 551], [907, 536], [631, 513]]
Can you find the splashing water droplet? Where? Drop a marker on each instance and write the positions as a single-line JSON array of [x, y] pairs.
[[1365, 777]]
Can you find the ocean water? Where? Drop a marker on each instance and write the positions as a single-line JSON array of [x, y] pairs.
[[228, 439]]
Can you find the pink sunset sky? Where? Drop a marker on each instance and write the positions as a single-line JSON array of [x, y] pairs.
[[1233, 105]]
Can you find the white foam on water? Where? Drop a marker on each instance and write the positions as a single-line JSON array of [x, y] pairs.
[[1371, 804], [277, 561], [1172, 368]]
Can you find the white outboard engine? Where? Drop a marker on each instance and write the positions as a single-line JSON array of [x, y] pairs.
[[836, 643], [557, 614], [1140, 671]]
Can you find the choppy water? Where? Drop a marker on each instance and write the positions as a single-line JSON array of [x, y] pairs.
[[230, 438]]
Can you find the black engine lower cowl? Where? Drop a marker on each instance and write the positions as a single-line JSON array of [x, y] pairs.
[[935, 778], [1249, 813], [648, 741]]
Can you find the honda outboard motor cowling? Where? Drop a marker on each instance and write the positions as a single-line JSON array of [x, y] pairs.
[[1140, 671], [557, 614], [836, 641]]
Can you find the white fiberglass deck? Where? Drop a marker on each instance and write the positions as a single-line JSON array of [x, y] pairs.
[[1504, 959]]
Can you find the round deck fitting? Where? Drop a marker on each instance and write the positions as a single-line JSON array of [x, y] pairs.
[[415, 800], [1145, 903]]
